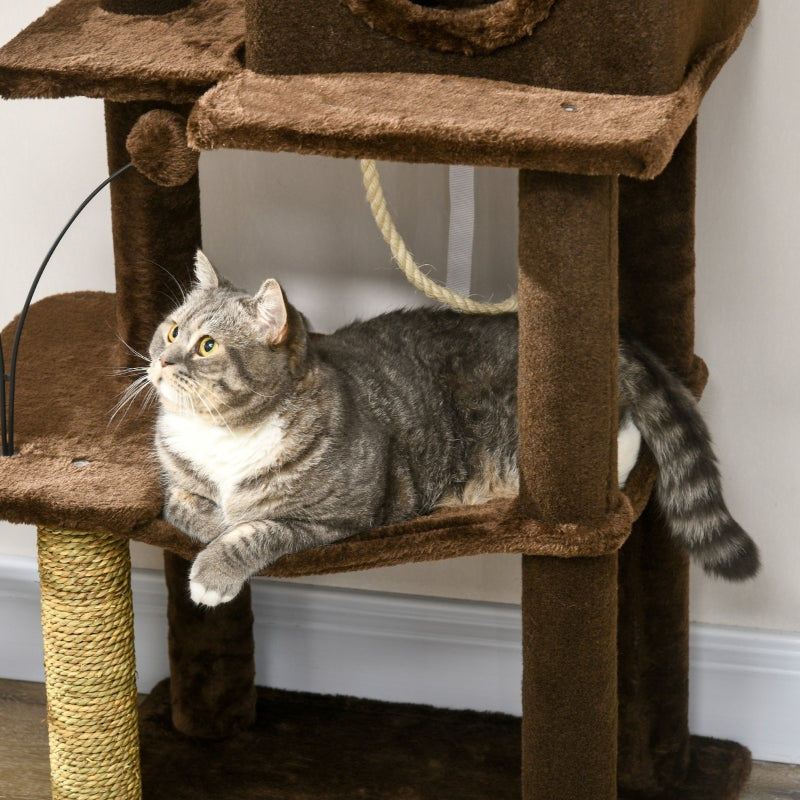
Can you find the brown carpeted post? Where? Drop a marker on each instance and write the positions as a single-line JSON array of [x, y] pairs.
[[656, 257], [212, 669], [653, 662], [657, 304], [568, 423], [156, 233]]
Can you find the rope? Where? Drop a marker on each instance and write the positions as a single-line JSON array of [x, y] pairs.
[[87, 621], [404, 259]]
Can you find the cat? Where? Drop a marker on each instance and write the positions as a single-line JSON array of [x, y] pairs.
[[272, 440]]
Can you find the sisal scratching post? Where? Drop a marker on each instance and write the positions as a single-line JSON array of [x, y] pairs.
[[87, 621], [568, 423]]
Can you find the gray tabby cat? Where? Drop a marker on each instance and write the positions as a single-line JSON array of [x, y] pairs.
[[271, 441]]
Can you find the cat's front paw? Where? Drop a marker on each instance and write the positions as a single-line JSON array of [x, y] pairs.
[[212, 581], [198, 517]]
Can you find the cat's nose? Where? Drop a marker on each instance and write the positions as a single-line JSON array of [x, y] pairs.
[[165, 363]]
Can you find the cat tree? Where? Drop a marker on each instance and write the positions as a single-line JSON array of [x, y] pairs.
[[595, 104]]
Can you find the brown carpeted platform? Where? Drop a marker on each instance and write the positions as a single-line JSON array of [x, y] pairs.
[[79, 468], [174, 57], [451, 119], [319, 747]]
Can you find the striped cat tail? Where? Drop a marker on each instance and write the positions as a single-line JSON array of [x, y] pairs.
[[688, 486]]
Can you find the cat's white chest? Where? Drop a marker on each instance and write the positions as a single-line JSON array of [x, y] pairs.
[[222, 456]]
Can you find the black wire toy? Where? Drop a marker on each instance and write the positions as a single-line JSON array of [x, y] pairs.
[[7, 397]]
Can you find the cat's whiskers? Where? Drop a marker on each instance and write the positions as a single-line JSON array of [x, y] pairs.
[[181, 287], [132, 350], [264, 396], [170, 296], [214, 412], [122, 372], [218, 401], [129, 395], [186, 403]]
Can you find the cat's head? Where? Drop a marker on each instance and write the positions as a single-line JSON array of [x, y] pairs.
[[225, 355]]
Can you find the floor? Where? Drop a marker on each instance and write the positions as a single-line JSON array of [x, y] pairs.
[[24, 768]]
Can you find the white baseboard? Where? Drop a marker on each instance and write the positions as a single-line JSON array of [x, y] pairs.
[[745, 684]]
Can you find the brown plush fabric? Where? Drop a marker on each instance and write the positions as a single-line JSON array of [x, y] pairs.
[[158, 149], [623, 47], [568, 422], [77, 48], [657, 257], [340, 748], [212, 689], [66, 391], [467, 28], [567, 396], [653, 647], [156, 231], [453, 120], [142, 6], [569, 681], [121, 57], [657, 303]]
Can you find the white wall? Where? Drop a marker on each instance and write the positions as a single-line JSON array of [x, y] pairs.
[[304, 221]]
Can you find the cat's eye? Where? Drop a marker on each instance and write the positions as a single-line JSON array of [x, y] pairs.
[[172, 333], [206, 346]]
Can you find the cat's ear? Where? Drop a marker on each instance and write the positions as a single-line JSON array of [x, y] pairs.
[[204, 272], [271, 313]]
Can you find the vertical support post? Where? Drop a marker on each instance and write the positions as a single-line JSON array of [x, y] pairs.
[[656, 256], [211, 654], [156, 233], [90, 669], [568, 426], [657, 305]]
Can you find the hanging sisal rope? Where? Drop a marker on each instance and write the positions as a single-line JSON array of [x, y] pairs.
[[404, 259], [87, 621]]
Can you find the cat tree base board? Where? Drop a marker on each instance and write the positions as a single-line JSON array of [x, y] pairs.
[[341, 748]]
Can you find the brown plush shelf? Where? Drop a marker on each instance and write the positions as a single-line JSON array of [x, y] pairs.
[[453, 120], [77, 468], [77, 48]]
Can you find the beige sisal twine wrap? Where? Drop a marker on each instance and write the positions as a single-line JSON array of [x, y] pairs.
[[87, 621], [404, 259]]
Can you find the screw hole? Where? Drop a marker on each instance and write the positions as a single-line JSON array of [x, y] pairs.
[[569, 106], [81, 462]]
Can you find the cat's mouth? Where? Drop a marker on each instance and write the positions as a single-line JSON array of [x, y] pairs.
[[162, 385]]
